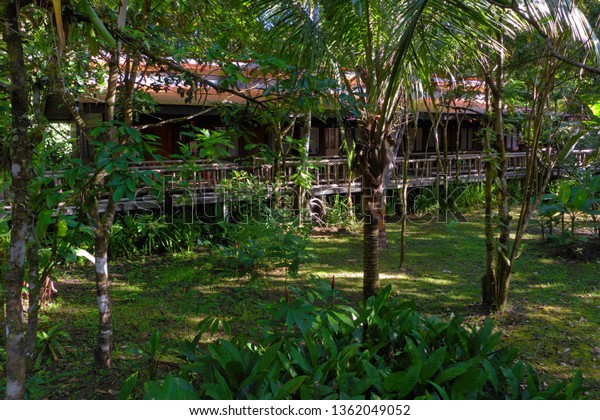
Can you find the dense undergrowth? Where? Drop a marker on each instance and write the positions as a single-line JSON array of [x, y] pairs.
[[159, 302], [313, 346], [252, 286]]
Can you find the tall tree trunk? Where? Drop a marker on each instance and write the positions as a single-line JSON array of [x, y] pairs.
[[371, 197], [103, 223], [496, 280], [36, 281], [503, 263], [2, 307], [408, 144], [488, 281], [20, 152]]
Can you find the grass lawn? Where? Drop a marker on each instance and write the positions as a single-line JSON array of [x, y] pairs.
[[553, 317]]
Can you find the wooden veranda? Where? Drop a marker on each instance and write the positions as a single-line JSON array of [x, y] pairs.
[[201, 182]]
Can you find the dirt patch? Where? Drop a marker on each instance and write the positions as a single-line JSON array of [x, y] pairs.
[[586, 248]]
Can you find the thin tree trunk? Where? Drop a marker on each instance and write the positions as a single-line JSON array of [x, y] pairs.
[[503, 263], [105, 334], [104, 345], [35, 286], [20, 152], [2, 307], [488, 281], [36, 281], [371, 203], [404, 221]]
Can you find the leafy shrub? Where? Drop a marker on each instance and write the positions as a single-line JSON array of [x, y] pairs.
[[340, 214], [49, 345], [575, 199], [254, 246], [315, 347], [148, 235]]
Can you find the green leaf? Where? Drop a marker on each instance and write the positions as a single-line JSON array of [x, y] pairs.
[[128, 386], [441, 391], [171, 388], [402, 383], [433, 363], [43, 221], [290, 387], [492, 375], [219, 390], [267, 359], [578, 199], [130, 184], [468, 383], [564, 193], [154, 342], [119, 193], [455, 371], [61, 229], [298, 358], [575, 387]]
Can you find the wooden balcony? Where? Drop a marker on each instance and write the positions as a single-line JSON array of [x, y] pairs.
[[202, 181]]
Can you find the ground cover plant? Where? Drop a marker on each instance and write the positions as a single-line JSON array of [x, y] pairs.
[[160, 300]]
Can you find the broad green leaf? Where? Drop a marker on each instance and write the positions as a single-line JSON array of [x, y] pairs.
[[61, 228], [402, 383], [128, 386], [218, 390], [492, 375], [470, 382], [119, 193], [455, 371], [130, 184], [433, 363], [578, 199], [575, 386], [290, 387], [44, 220], [441, 391], [171, 388], [564, 193]]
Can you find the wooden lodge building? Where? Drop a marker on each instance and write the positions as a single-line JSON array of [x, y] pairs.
[[458, 126], [174, 110]]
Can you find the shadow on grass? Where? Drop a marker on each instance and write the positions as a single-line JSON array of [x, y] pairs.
[[553, 316]]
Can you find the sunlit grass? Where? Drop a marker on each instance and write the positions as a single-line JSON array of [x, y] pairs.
[[554, 302]]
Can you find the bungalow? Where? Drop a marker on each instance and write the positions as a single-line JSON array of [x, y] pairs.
[[168, 106]]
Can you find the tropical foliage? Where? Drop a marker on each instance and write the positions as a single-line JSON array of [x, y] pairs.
[[314, 346], [369, 64]]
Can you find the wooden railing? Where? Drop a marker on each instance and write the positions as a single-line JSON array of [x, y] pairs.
[[326, 172], [330, 175]]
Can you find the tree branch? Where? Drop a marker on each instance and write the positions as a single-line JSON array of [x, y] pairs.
[[175, 66]]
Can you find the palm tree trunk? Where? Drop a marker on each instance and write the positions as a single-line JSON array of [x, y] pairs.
[[371, 203]]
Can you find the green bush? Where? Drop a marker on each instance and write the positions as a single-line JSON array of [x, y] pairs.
[[313, 346], [133, 236], [340, 214], [261, 245]]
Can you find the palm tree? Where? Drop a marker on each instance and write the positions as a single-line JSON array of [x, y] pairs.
[[369, 45]]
